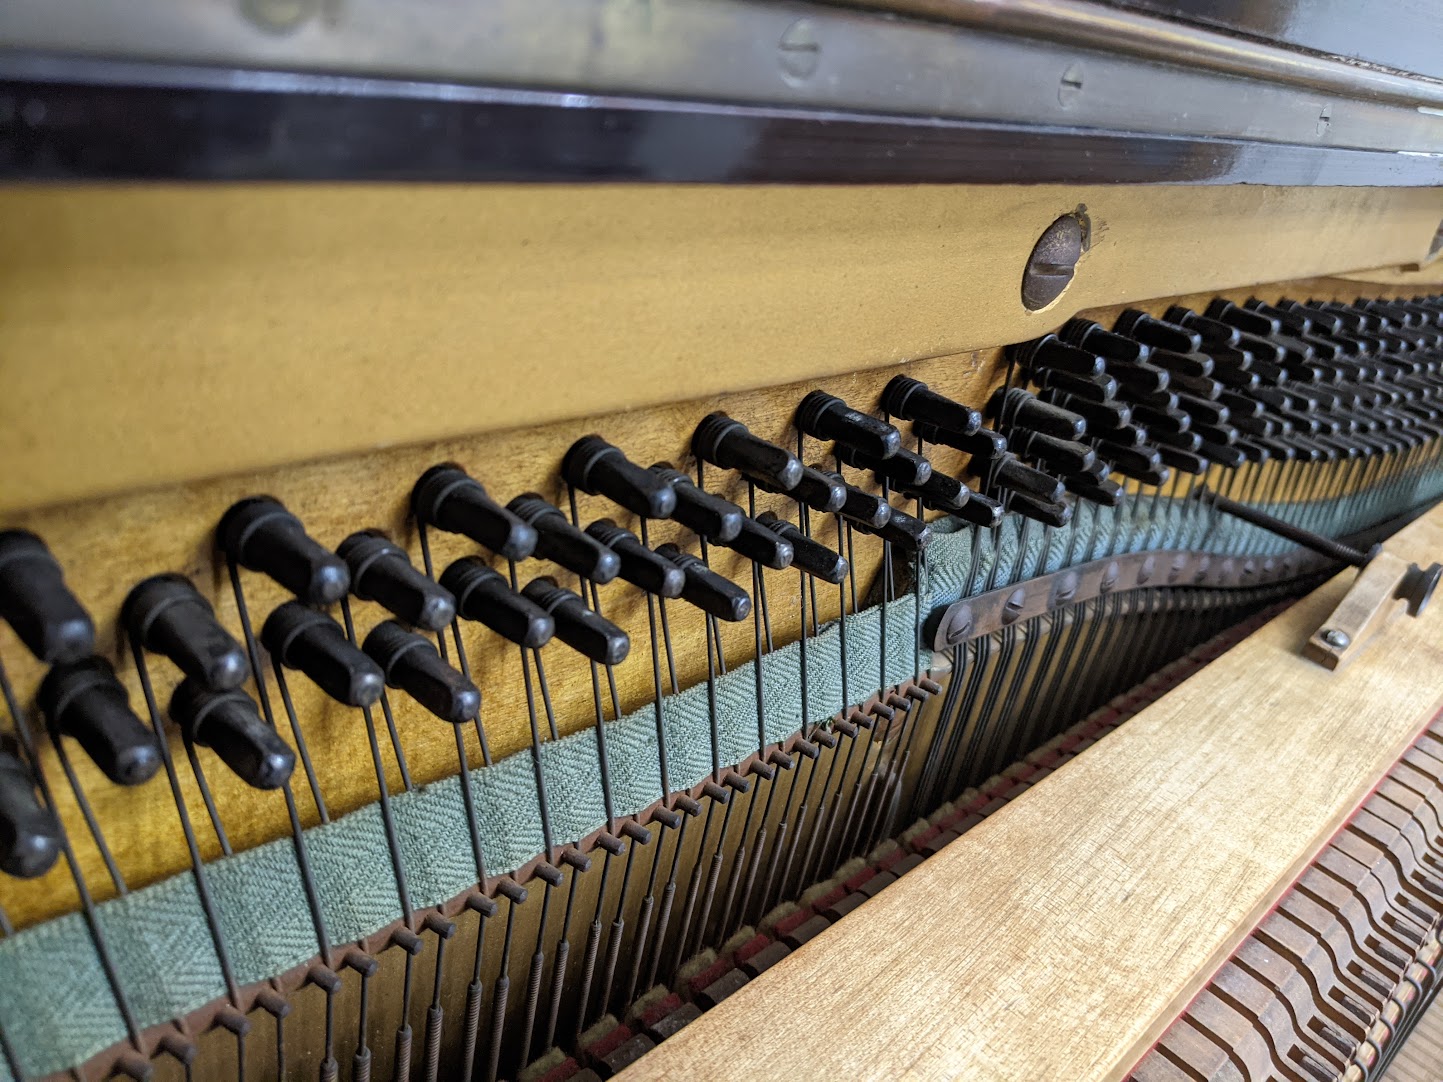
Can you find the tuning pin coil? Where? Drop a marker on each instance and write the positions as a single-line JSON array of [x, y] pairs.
[[562, 543], [170, 617], [84, 700], [227, 722], [304, 639], [260, 534], [600, 468], [483, 595], [410, 663], [381, 571], [578, 625], [450, 499], [30, 839], [639, 565], [35, 601]]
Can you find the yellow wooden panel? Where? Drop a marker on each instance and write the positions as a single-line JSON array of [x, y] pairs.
[[160, 333]]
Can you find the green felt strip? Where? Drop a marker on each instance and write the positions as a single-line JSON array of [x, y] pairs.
[[56, 1007]]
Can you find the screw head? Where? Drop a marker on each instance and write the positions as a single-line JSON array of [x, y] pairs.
[[1070, 88], [799, 53], [1053, 262], [1338, 640], [958, 626]]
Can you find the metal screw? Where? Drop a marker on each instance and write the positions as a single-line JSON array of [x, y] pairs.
[[1070, 88], [799, 53], [1053, 260], [959, 625], [1338, 640], [279, 16]]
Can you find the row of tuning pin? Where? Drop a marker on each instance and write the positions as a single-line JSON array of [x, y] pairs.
[[1182, 392], [82, 698], [1291, 381]]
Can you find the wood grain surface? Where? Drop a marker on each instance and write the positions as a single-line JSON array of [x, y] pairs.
[[1058, 938], [157, 334]]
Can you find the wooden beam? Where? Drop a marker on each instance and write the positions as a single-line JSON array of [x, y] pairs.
[[156, 334], [1062, 935]]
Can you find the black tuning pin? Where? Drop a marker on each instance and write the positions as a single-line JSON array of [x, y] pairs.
[[409, 662], [1139, 463], [483, 594], [979, 510], [1050, 353], [940, 492], [1009, 472], [1100, 416], [865, 509], [903, 530], [260, 534], [714, 594], [1250, 320], [35, 601], [728, 443], [1138, 377], [29, 831], [984, 441], [1093, 338], [639, 565], [1105, 492], [1047, 512], [913, 400], [1016, 408], [1089, 388], [901, 468], [382, 572], [1156, 332], [757, 543], [827, 417], [1060, 456], [227, 722], [450, 499], [1178, 364], [820, 490], [168, 616], [1213, 332], [698, 510], [810, 555], [562, 543], [577, 625], [84, 700], [304, 639], [597, 467]]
